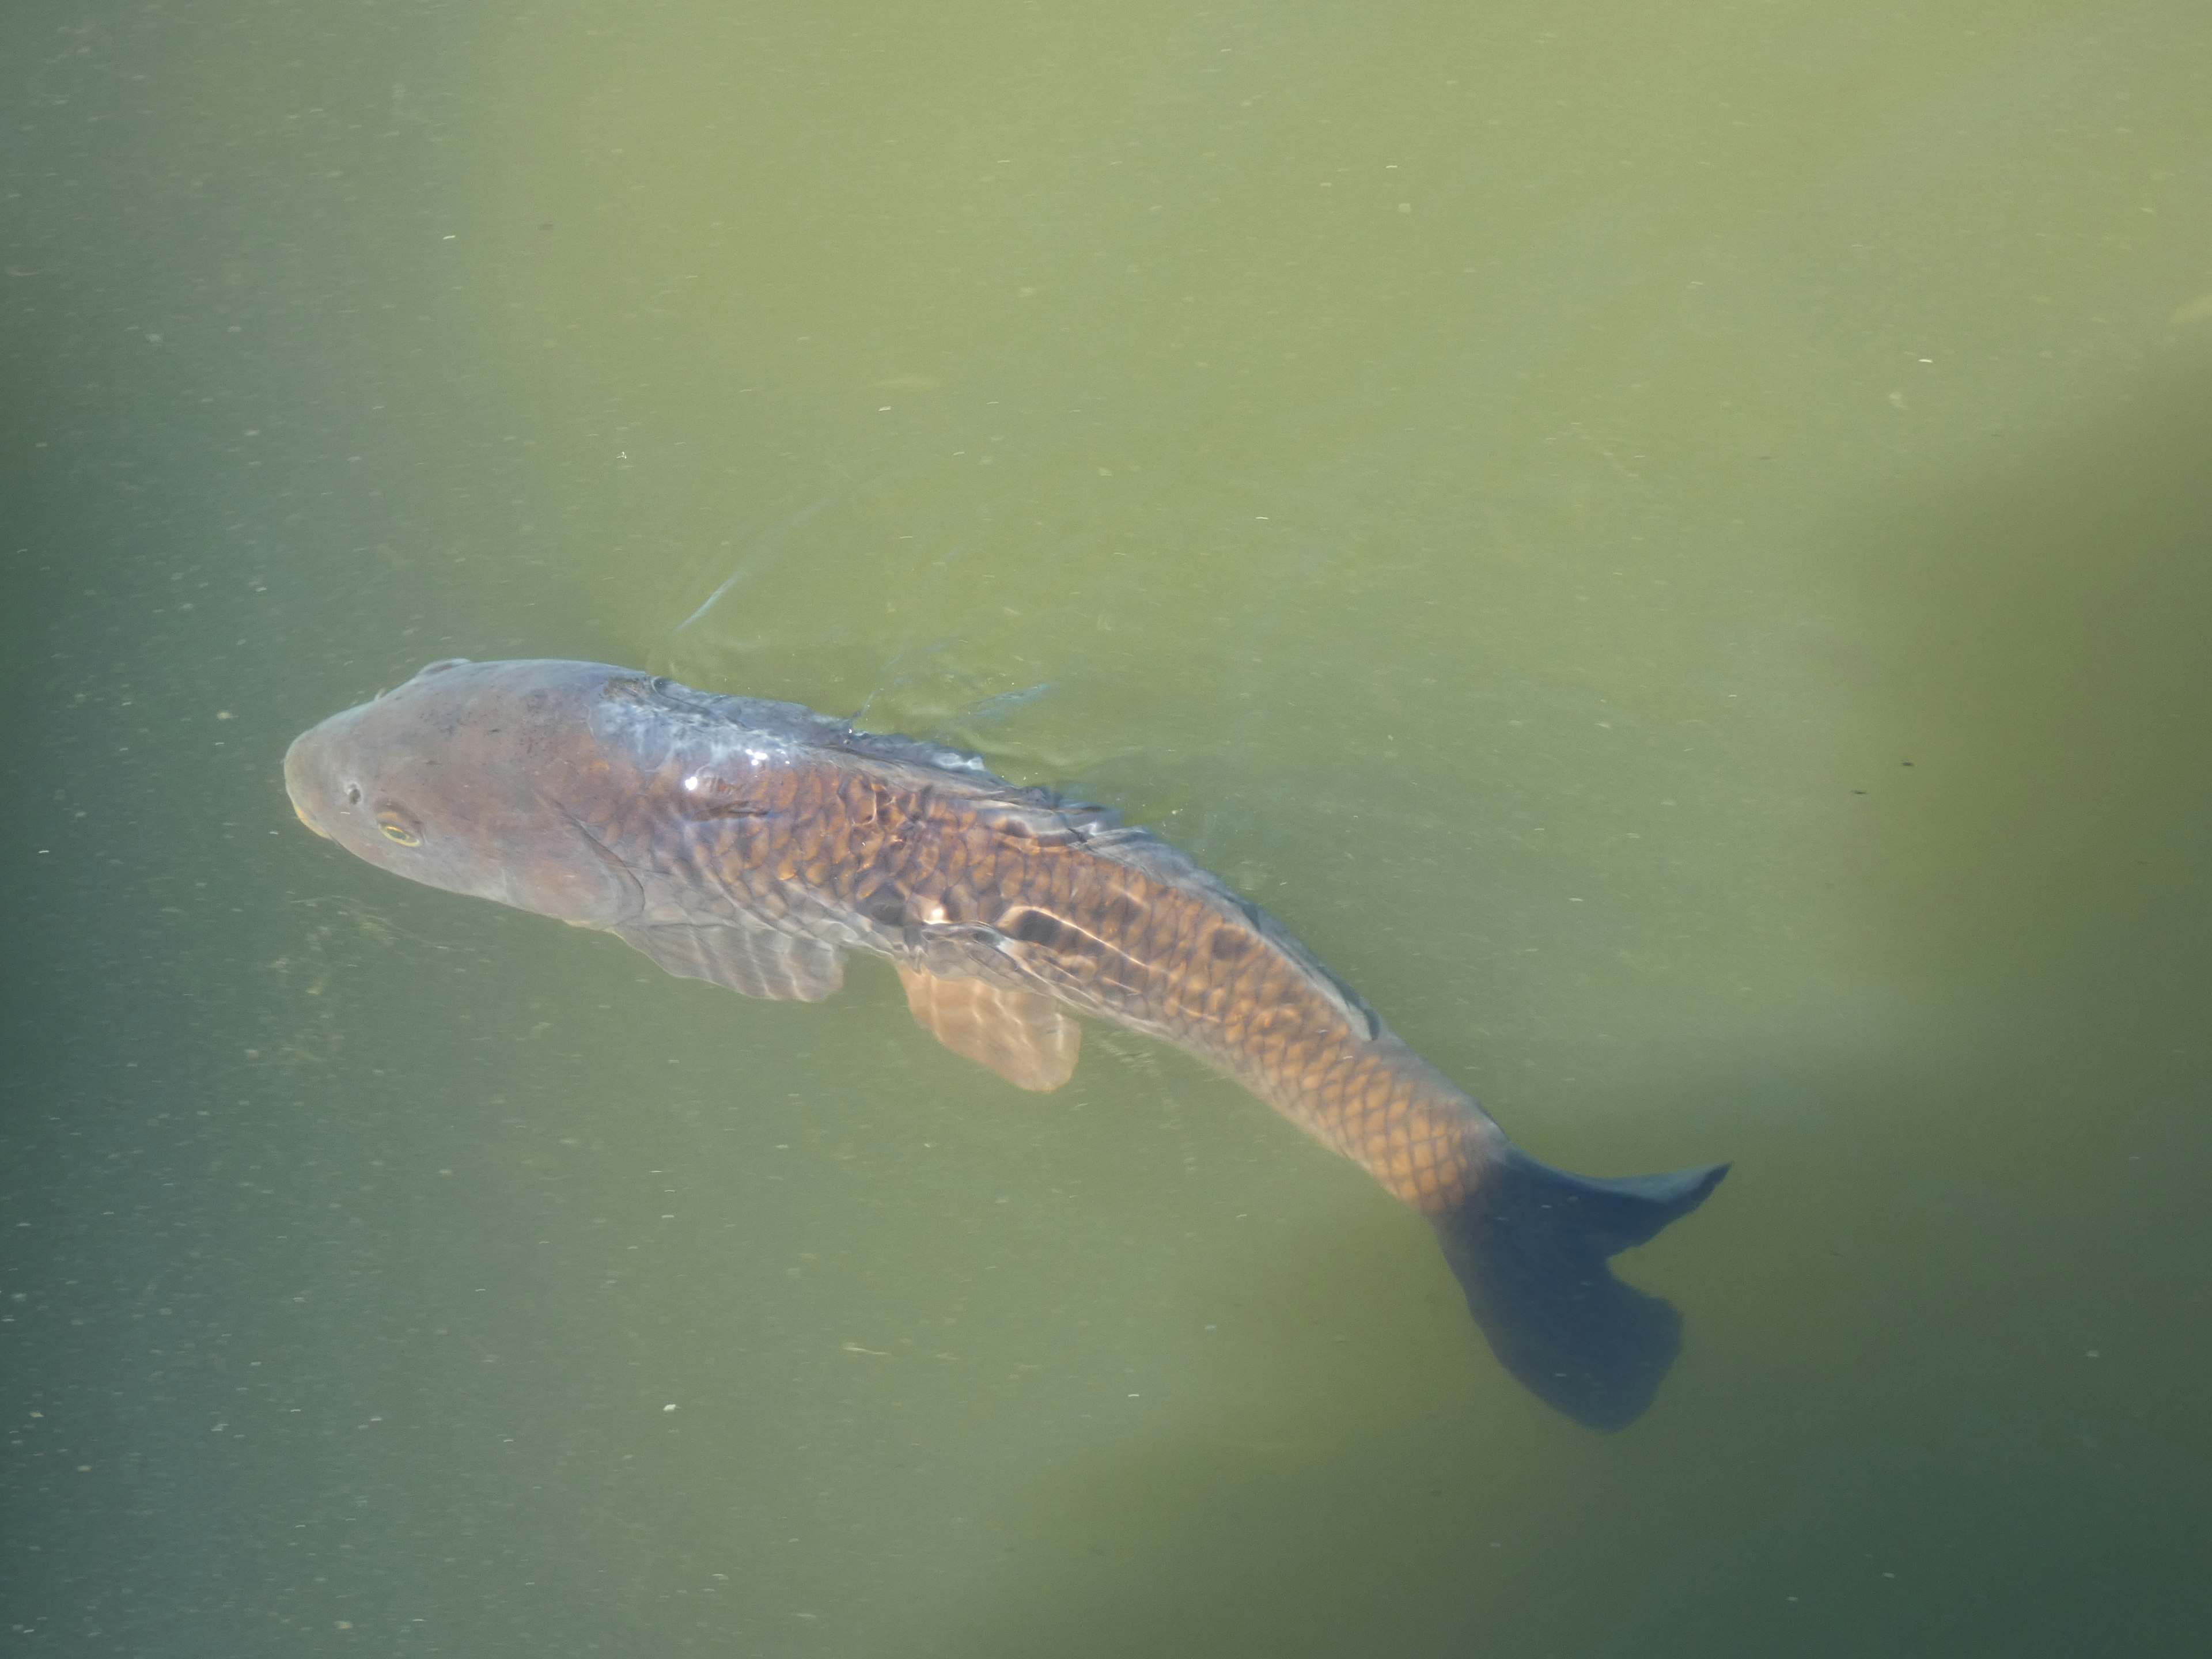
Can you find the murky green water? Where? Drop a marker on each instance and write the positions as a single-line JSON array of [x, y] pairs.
[[1671, 543]]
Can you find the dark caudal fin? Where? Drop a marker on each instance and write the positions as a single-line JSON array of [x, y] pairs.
[[1530, 1244]]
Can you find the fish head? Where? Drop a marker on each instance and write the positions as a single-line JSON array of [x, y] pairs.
[[476, 778]]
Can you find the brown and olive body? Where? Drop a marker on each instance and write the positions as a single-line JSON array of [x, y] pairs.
[[957, 876], [756, 844]]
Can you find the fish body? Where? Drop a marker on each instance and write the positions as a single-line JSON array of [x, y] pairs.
[[757, 844]]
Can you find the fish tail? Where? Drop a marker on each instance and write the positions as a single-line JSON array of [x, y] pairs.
[[1530, 1244]]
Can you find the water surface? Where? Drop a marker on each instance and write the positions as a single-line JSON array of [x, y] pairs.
[[1667, 543]]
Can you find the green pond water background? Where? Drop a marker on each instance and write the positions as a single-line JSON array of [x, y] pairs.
[[1671, 543]]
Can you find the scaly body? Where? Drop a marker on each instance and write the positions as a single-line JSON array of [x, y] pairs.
[[756, 843]]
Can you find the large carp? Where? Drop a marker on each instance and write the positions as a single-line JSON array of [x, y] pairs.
[[756, 843]]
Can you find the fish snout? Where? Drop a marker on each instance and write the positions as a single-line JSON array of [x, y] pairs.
[[300, 774]]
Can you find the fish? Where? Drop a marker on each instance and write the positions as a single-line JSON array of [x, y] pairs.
[[758, 844]]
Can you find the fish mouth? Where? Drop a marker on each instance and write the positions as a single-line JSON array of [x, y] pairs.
[[296, 770]]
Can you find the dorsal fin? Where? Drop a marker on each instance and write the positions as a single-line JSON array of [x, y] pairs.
[[1023, 1036]]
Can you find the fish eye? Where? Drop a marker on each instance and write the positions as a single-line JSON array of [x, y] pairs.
[[353, 795], [399, 827]]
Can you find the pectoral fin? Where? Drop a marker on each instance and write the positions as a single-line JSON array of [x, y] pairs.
[[752, 960], [1023, 1036]]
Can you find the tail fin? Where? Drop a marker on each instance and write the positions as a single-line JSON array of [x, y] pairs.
[[1529, 1245]]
